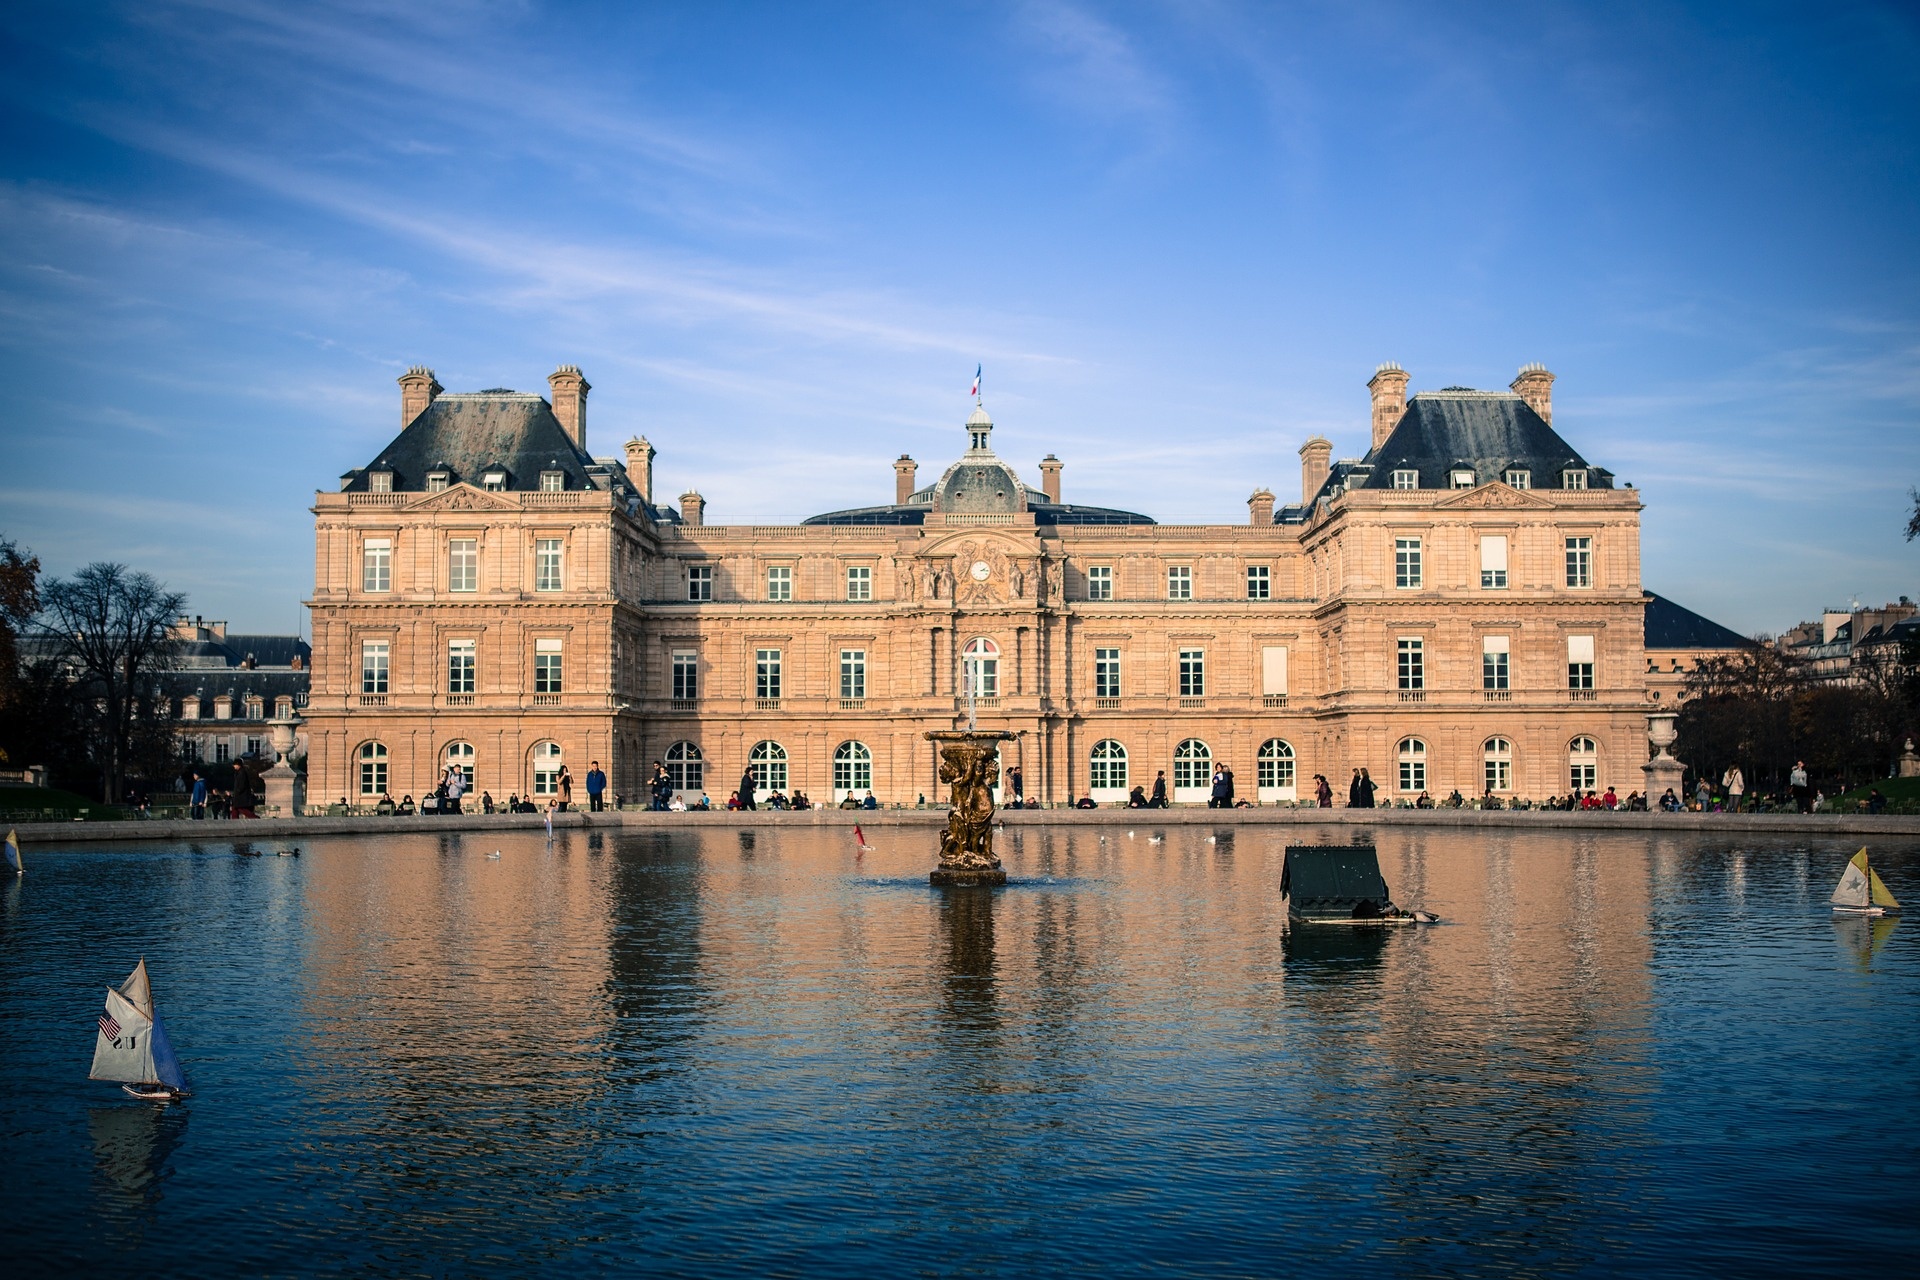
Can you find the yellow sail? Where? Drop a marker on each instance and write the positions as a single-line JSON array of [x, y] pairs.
[[1881, 897]]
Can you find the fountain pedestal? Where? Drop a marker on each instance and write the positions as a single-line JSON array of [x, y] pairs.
[[970, 766], [284, 791], [1663, 771]]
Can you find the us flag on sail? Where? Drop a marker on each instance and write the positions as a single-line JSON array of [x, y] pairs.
[[108, 1027]]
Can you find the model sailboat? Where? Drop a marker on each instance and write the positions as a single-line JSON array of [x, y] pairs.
[[1862, 892], [133, 1047], [14, 864]]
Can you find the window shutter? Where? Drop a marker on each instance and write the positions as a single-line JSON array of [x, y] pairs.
[[1493, 644], [1493, 552], [1273, 670], [1579, 648]]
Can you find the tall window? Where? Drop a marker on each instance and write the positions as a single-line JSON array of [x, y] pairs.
[[1579, 562], [852, 769], [1579, 662], [859, 582], [546, 667], [547, 759], [1259, 582], [700, 582], [376, 564], [1573, 479], [1406, 479], [686, 676], [1106, 673], [1583, 764], [374, 655], [1493, 562], [1100, 582], [547, 566], [463, 564], [460, 664], [1192, 770], [980, 669], [779, 582], [1493, 662], [766, 673], [686, 767], [1406, 562], [768, 763], [1413, 764], [1275, 770], [1412, 663], [460, 756], [1497, 756], [1107, 769], [1179, 582], [1193, 673], [1519, 479], [373, 769], [552, 481], [853, 673]]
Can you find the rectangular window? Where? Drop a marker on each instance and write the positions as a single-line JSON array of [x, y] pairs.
[[766, 674], [859, 582], [1493, 662], [1259, 582], [1413, 663], [1193, 673], [547, 568], [1573, 479], [437, 482], [1519, 479], [463, 564], [222, 751], [374, 656], [1100, 582], [552, 481], [1579, 662], [1179, 582], [1406, 479], [779, 582], [1579, 562], [253, 747], [700, 582], [1406, 562], [460, 664], [1462, 479], [494, 482], [546, 667], [1106, 673], [376, 565], [1493, 562], [853, 673], [686, 676], [380, 482], [1273, 671]]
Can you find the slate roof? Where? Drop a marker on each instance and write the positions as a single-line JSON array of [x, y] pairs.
[[1671, 626], [1490, 432], [910, 513]]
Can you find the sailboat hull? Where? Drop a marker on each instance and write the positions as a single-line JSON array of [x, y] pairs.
[[1866, 911], [153, 1092]]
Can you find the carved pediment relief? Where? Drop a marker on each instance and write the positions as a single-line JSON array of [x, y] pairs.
[[1494, 495], [461, 497]]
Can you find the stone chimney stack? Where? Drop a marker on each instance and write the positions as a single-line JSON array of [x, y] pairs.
[[570, 401], [418, 387], [640, 456], [1535, 386], [1389, 388], [1050, 477], [903, 473], [1260, 507], [1316, 459], [693, 509]]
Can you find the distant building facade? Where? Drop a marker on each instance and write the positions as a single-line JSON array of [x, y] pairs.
[[1460, 608], [223, 687], [1840, 642]]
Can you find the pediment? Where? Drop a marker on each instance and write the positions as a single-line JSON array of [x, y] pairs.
[[1494, 496], [461, 497]]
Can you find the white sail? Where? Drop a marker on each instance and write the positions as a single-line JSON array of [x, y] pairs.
[[1854, 889], [124, 1049]]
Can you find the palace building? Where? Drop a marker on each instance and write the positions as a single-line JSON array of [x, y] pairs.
[[1460, 608]]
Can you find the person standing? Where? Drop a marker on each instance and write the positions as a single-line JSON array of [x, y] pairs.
[[748, 785], [1322, 791], [596, 785], [1802, 791], [1353, 791], [1366, 789], [199, 798], [1736, 784], [456, 786], [1017, 785], [1159, 800], [565, 783], [1218, 797]]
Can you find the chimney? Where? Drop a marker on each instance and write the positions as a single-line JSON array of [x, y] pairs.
[[640, 466], [1050, 477], [418, 387], [903, 473], [1535, 385], [570, 401], [1389, 387], [693, 509], [1316, 456], [1260, 507]]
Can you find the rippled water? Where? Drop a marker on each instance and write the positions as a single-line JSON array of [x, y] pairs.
[[723, 1052]]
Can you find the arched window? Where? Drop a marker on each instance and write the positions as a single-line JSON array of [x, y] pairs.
[[373, 769], [686, 767], [1413, 765], [1276, 770], [768, 761], [980, 668], [852, 770], [460, 756], [546, 768], [1583, 763], [1192, 772], [1498, 756], [1107, 771]]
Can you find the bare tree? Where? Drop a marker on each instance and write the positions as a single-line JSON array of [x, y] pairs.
[[1913, 521], [19, 601], [111, 628]]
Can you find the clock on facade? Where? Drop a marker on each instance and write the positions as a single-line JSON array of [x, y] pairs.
[[981, 570]]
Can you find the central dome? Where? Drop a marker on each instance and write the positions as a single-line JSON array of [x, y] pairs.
[[979, 484]]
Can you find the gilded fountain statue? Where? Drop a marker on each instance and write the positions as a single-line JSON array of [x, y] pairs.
[[970, 765]]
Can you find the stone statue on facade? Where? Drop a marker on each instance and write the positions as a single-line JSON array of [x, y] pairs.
[[970, 766]]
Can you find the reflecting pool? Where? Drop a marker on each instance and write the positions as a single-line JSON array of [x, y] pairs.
[[717, 1051]]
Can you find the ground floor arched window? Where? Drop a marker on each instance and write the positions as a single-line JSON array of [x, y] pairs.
[[852, 771], [1583, 764], [1413, 765], [1192, 772], [768, 762], [1497, 754], [460, 755], [373, 769], [1107, 771], [547, 759], [1275, 770], [686, 767]]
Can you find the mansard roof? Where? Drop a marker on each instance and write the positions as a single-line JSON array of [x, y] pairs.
[[1490, 432], [469, 433], [1672, 626]]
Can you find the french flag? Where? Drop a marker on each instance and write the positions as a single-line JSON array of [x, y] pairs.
[[976, 383]]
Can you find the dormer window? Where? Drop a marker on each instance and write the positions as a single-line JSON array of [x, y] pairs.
[[494, 482], [1573, 478], [437, 481], [552, 481], [1406, 479], [380, 482], [1461, 479], [1519, 479]]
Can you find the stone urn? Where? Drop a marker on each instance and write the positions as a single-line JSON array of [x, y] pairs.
[[283, 790], [1663, 771], [970, 766]]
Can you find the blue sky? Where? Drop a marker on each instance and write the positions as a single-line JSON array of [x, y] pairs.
[[779, 237]]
